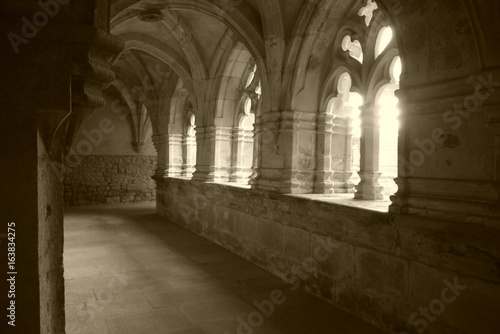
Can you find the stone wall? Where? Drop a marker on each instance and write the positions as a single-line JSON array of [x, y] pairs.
[[392, 271], [110, 180]]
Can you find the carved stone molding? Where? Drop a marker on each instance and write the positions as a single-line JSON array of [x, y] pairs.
[[92, 53], [141, 125], [464, 110], [91, 71]]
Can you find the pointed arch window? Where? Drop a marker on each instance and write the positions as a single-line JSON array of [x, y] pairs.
[[358, 130], [189, 145]]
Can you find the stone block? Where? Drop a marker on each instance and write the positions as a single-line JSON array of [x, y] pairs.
[[245, 227], [373, 233], [226, 221], [97, 177], [381, 275], [453, 300], [270, 235], [474, 251], [335, 259], [113, 200], [137, 187], [295, 243]]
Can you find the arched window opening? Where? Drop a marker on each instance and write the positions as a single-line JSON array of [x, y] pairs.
[[248, 106], [189, 146], [258, 90], [339, 138], [353, 47], [367, 11], [383, 40], [362, 118], [243, 143], [191, 132], [251, 77], [389, 129], [353, 105]]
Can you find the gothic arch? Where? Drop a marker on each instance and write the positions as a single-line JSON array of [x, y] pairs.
[[231, 83], [168, 56], [316, 48], [331, 84]]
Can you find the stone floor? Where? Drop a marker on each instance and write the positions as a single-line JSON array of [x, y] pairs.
[[129, 271]]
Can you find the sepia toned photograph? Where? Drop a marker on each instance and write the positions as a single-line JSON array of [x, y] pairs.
[[250, 166]]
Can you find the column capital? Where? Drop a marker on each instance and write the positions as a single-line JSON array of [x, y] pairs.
[[292, 120], [286, 152]]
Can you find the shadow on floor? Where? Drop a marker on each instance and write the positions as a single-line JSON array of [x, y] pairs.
[[127, 270]]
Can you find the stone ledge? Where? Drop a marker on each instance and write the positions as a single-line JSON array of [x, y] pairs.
[[367, 274]]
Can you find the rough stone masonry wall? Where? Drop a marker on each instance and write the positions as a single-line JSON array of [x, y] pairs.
[[383, 269], [111, 180]]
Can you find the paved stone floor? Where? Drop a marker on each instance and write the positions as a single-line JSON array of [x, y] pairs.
[[129, 271]]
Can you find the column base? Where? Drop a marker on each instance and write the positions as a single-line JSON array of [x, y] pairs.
[[284, 181], [369, 188], [342, 183], [323, 184], [212, 174]]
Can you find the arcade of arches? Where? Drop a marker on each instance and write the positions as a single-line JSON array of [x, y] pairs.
[[268, 127]]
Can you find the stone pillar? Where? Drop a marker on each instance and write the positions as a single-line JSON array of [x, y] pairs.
[[189, 155], [174, 166], [161, 144], [256, 159], [237, 156], [247, 159], [267, 159], [213, 161], [369, 188], [342, 154], [60, 70], [287, 147], [242, 156], [324, 183], [169, 149], [449, 150]]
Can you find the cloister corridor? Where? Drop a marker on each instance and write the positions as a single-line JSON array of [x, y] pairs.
[[250, 166], [127, 270]]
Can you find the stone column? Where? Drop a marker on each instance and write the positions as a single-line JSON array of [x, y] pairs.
[[342, 154], [161, 144], [449, 150], [169, 149], [189, 156], [174, 154], [287, 146], [242, 156], [369, 188], [248, 151], [256, 159], [324, 184], [237, 156], [53, 73], [213, 154]]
